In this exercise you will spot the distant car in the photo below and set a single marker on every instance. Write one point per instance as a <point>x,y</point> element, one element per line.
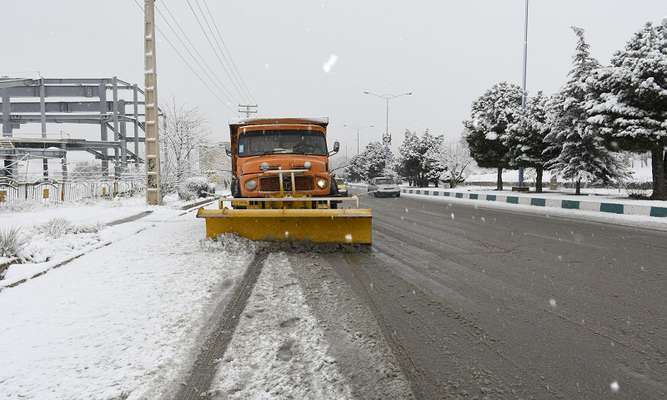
<point>342,187</point>
<point>383,186</point>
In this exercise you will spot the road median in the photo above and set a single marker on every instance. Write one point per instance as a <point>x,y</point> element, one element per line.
<point>551,201</point>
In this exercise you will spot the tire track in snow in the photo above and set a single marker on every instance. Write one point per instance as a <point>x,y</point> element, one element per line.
<point>203,371</point>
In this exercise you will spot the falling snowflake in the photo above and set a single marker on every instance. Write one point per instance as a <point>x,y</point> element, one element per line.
<point>329,64</point>
<point>614,387</point>
<point>452,216</point>
<point>348,237</point>
<point>267,66</point>
<point>286,234</point>
<point>483,219</point>
<point>406,210</point>
<point>552,303</point>
<point>560,258</point>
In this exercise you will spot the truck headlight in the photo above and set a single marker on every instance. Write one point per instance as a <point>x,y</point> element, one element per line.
<point>251,184</point>
<point>321,183</point>
<point>264,166</point>
<point>307,165</point>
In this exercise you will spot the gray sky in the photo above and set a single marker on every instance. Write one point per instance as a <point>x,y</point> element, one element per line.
<point>447,52</point>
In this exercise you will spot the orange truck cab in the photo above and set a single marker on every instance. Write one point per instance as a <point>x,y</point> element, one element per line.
<point>280,157</point>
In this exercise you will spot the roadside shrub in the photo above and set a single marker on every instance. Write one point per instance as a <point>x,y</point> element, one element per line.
<point>54,228</point>
<point>58,227</point>
<point>11,241</point>
<point>639,190</point>
<point>195,187</point>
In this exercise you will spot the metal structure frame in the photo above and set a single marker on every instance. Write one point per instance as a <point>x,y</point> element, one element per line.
<point>106,109</point>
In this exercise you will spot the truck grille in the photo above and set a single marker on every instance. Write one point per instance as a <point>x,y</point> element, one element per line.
<point>272,184</point>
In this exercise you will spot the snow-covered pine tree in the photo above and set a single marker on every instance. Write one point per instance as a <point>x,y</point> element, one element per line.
<point>371,163</point>
<point>582,155</point>
<point>408,157</point>
<point>628,100</point>
<point>432,165</point>
<point>525,138</point>
<point>420,158</point>
<point>355,169</point>
<point>486,129</point>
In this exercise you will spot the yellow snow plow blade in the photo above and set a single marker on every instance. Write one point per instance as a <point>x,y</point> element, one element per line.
<point>352,226</point>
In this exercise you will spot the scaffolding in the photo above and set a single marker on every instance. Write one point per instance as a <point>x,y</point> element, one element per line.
<point>113,105</point>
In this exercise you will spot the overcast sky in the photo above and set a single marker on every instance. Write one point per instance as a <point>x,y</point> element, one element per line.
<point>447,52</point>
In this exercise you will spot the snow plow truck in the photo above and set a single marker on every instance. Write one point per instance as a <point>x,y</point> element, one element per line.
<point>282,187</point>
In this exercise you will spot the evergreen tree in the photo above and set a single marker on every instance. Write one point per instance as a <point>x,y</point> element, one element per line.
<point>582,155</point>
<point>491,114</point>
<point>628,100</point>
<point>525,138</point>
<point>408,157</point>
<point>371,163</point>
<point>420,159</point>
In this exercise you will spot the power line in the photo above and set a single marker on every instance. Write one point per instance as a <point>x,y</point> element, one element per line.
<point>229,54</point>
<point>213,47</point>
<point>187,64</point>
<point>206,68</point>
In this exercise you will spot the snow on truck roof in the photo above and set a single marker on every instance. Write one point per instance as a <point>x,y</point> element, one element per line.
<point>322,121</point>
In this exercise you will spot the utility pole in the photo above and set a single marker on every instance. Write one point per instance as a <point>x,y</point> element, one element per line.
<point>153,196</point>
<point>358,128</point>
<point>525,73</point>
<point>247,109</point>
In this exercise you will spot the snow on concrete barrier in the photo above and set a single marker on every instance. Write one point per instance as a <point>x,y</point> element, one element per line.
<point>548,201</point>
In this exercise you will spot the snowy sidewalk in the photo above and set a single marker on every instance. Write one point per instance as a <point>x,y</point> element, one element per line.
<point>120,322</point>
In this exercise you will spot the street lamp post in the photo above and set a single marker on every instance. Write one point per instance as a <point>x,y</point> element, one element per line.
<point>386,138</point>
<point>525,73</point>
<point>358,128</point>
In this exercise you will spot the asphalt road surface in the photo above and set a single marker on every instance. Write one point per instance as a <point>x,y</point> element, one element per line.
<point>482,303</point>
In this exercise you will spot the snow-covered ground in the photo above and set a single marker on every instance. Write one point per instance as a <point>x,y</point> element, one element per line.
<point>54,233</point>
<point>121,321</point>
<point>92,212</point>
<point>639,174</point>
<point>279,351</point>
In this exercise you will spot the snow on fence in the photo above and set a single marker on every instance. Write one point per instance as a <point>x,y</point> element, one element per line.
<point>52,191</point>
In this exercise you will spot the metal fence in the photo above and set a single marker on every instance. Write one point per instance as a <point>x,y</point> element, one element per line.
<point>53,191</point>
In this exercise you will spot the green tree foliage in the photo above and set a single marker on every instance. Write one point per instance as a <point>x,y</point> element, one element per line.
<point>371,163</point>
<point>486,130</point>
<point>628,100</point>
<point>525,138</point>
<point>420,158</point>
<point>582,154</point>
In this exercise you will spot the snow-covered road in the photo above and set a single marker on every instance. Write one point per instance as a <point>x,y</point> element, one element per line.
<point>120,322</point>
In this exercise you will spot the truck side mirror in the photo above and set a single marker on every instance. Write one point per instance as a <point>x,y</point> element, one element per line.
<point>228,151</point>
<point>335,149</point>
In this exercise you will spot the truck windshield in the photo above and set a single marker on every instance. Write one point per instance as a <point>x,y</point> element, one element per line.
<point>282,142</point>
<point>384,181</point>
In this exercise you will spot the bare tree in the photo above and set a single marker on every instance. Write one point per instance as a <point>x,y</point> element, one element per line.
<point>457,160</point>
<point>182,135</point>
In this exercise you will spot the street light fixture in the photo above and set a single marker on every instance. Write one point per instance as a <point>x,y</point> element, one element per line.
<point>358,128</point>
<point>386,138</point>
